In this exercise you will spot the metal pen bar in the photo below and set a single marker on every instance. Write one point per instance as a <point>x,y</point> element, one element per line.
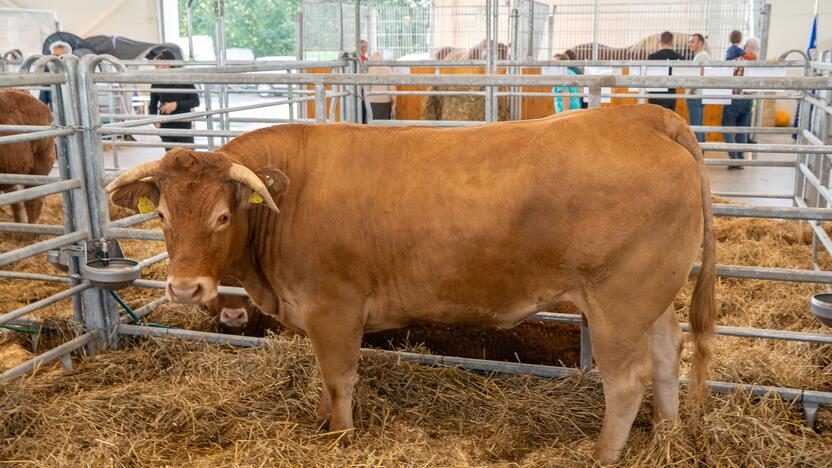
<point>153,260</point>
<point>49,356</point>
<point>222,290</point>
<point>169,132</point>
<point>140,144</point>
<point>25,128</point>
<point>25,179</point>
<point>30,79</point>
<point>206,337</point>
<point>813,180</point>
<point>589,63</point>
<point>192,115</point>
<point>128,233</point>
<point>31,228</point>
<point>132,220</point>
<point>39,191</point>
<point>762,333</point>
<point>715,82</point>
<point>785,196</point>
<point>773,212</point>
<point>818,230</point>
<point>44,302</point>
<point>35,135</point>
<point>748,162</point>
<point>34,276</point>
<point>767,148</point>
<point>144,310</point>
<point>40,247</point>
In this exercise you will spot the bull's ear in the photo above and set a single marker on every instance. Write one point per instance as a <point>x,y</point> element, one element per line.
<point>130,195</point>
<point>274,180</point>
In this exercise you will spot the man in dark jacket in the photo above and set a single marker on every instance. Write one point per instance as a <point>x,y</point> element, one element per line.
<point>665,52</point>
<point>173,103</point>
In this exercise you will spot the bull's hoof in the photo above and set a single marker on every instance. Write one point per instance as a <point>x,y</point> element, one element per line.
<point>343,437</point>
<point>606,456</point>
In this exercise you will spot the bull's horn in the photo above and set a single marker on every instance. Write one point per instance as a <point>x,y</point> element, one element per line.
<point>139,172</point>
<point>244,175</point>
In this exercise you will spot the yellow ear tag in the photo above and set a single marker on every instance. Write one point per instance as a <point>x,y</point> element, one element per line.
<point>146,206</point>
<point>255,198</point>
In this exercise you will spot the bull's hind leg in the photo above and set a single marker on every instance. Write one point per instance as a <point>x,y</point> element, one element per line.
<point>665,351</point>
<point>619,323</point>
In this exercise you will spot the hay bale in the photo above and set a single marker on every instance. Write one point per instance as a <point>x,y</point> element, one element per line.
<point>463,108</point>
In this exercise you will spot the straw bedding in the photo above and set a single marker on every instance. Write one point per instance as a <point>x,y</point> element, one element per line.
<point>160,402</point>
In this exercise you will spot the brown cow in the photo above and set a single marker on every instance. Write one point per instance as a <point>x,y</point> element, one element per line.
<point>638,51</point>
<point>486,225</point>
<point>36,157</point>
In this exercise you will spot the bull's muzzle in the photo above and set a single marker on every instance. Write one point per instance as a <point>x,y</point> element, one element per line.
<point>196,290</point>
<point>234,318</point>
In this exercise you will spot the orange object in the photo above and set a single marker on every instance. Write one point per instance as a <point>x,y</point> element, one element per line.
<point>781,119</point>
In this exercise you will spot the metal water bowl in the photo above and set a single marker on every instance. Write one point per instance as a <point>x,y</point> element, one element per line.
<point>821,306</point>
<point>111,274</point>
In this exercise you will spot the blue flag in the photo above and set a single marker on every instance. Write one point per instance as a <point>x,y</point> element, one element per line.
<point>813,37</point>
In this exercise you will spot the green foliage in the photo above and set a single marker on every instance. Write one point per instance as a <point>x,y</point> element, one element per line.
<point>267,27</point>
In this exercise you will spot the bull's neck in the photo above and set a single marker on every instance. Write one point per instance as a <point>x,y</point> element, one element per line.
<point>279,147</point>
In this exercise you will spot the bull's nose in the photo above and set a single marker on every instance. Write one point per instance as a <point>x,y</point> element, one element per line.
<point>235,318</point>
<point>189,290</point>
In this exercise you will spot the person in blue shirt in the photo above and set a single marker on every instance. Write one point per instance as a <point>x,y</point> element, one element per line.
<point>734,51</point>
<point>565,103</point>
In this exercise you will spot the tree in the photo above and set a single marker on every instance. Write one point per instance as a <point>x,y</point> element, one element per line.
<point>267,27</point>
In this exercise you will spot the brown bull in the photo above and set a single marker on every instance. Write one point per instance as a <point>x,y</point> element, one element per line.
<point>486,225</point>
<point>29,157</point>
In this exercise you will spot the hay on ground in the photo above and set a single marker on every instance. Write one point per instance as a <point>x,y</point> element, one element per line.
<point>171,403</point>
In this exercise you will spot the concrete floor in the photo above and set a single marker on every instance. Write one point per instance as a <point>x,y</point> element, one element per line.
<point>770,180</point>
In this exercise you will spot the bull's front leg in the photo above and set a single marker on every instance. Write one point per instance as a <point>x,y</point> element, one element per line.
<point>336,339</point>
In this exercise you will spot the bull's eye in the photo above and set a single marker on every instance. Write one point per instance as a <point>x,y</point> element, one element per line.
<point>223,219</point>
<point>161,216</point>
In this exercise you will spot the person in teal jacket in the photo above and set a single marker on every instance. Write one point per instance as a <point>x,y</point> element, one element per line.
<point>565,103</point>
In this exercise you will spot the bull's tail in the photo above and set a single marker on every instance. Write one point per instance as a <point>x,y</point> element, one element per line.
<point>702,306</point>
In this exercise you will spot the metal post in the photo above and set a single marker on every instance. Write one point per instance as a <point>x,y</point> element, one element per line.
<point>765,26</point>
<point>100,311</point>
<point>299,53</point>
<point>495,30</point>
<point>595,21</point>
<point>551,36</point>
<point>320,103</point>
<point>359,99</point>
<point>70,166</point>
<point>219,33</point>
<point>190,26</point>
<point>209,119</point>
<point>489,34</point>
<point>530,49</point>
<point>586,346</point>
<point>514,101</point>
